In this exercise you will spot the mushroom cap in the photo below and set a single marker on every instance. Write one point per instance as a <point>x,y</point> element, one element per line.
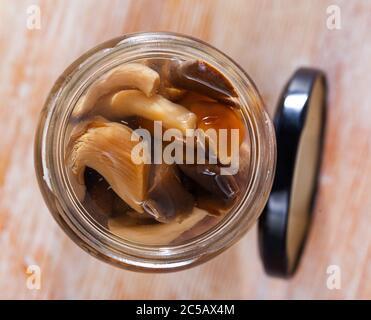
<point>107,148</point>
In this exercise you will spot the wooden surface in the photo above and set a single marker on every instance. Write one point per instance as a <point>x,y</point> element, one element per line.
<point>269,39</point>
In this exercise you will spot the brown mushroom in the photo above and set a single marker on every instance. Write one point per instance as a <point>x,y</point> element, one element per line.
<point>99,197</point>
<point>201,77</point>
<point>209,178</point>
<point>167,199</point>
<point>166,89</point>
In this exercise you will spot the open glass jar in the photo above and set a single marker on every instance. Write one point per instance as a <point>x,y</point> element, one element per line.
<point>164,249</point>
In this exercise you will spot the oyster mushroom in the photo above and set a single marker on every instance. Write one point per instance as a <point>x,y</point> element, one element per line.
<point>203,226</point>
<point>154,234</point>
<point>209,178</point>
<point>74,131</point>
<point>132,75</point>
<point>167,199</point>
<point>133,102</point>
<point>166,89</point>
<point>193,97</point>
<point>106,148</point>
<point>215,205</point>
<point>173,94</point>
<point>201,77</point>
<point>99,197</point>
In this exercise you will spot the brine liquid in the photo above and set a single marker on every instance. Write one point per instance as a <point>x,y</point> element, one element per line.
<point>180,201</point>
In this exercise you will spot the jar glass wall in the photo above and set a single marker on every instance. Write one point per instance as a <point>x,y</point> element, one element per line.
<point>73,214</point>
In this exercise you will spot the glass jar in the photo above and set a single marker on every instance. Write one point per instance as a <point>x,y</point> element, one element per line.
<point>63,203</point>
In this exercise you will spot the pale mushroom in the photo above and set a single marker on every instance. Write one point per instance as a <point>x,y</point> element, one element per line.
<point>74,131</point>
<point>132,75</point>
<point>134,103</point>
<point>106,148</point>
<point>154,234</point>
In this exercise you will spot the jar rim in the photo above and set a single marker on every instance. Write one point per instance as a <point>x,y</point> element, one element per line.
<point>107,247</point>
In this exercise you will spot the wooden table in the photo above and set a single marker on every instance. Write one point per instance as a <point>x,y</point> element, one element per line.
<point>269,39</point>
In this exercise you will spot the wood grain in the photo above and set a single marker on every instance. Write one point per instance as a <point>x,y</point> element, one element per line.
<point>269,39</point>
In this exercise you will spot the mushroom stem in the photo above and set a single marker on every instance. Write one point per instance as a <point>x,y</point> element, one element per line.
<point>133,102</point>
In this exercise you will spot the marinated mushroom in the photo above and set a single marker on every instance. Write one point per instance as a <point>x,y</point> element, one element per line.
<point>201,77</point>
<point>215,205</point>
<point>166,89</point>
<point>199,228</point>
<point>158,234</point>
<point>133,102</point>
<point>99,197</point>
<point>208,177</point>
<point>193,97</point>
<point>106,148</point>
<point>75,131</point>
<point>167,199</point>
<point>156,204</point>
<point>132,75</point>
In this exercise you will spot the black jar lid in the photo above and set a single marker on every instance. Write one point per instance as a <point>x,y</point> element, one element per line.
<point>299,124</point>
